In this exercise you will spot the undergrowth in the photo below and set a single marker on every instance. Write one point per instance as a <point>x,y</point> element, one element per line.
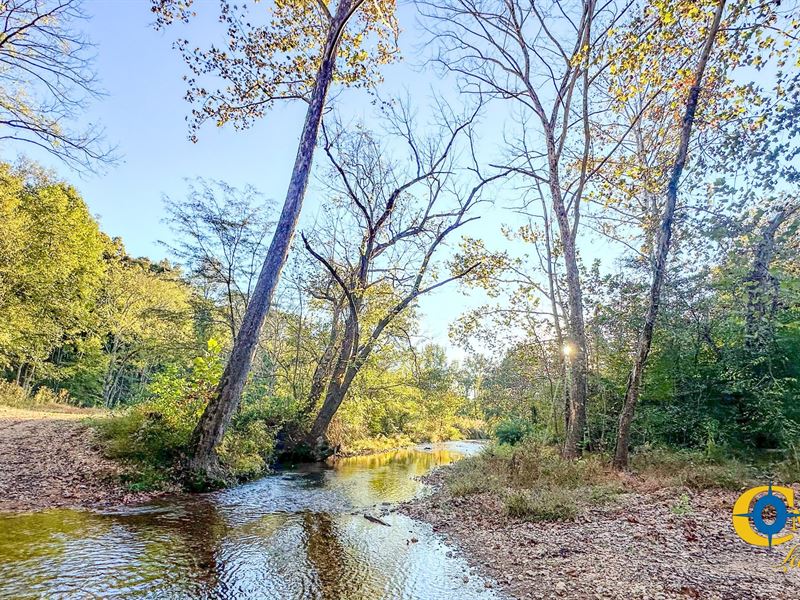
<point>152,437</point>
<point>533,482</point>
<point>17,396</point>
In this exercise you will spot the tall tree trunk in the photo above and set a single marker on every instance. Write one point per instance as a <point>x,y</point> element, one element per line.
<point>662,246</point>
<point>575,348</point>
<point>575,353</point>
<point>761,287</point>
<point>575,341</point>
<point>211,428</point>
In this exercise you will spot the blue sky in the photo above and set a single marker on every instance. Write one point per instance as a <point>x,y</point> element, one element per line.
<point>144,113</point>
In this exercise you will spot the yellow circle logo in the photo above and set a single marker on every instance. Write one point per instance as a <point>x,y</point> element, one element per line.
<point>748,515</point>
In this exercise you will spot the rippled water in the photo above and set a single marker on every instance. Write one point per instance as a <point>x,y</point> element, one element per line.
<point>299,534</point>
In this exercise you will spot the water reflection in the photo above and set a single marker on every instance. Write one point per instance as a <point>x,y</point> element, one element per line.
<point>294,535</point>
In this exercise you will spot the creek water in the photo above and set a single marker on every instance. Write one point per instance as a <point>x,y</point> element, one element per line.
<point>295,534</point>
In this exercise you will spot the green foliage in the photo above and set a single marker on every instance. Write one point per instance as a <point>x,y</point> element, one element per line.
<point>389,404</point>
<point>77,312</point>
<point>682,506</point>
<point>513,430</point>
<point>51,266</point>
<point>152,436</point>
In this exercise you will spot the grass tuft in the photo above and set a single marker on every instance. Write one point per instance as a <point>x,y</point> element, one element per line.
<point>547,504</point>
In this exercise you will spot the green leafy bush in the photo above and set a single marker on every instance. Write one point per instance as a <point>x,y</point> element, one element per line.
<point>15,395</point>
<point>513,430</point>
<point>153,435</point>
<point>12,394</point>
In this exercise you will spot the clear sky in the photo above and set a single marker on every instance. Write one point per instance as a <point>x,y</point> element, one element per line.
<point>144,114</point>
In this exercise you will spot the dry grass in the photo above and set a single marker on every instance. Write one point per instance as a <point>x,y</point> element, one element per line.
<point>48,411</point>
<point>535,483</point>
<point>544,504</point>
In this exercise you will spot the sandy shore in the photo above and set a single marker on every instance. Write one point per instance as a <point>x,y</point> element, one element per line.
<point>640,546</point>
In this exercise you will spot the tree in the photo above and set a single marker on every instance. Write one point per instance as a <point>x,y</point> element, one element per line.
<point>303,48</point>
<point>46,79</point>
<point>741,18</point>
<point>51,267</point>
<point>547,59</point>
<point>400,213</point>
<point>221,232</point>
<point>145,321</point>
<point>762,286</point>
<point>516,284</point>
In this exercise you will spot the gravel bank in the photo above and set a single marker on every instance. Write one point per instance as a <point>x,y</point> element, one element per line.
<point>636,547</point>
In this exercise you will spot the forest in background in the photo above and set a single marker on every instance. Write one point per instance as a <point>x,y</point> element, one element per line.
<point>686,336</point>
<point>86,323</point>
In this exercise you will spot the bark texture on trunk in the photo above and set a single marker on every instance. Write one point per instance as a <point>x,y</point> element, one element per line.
<point>662,247</point>
<point>762,287</point>
<point>202,463</point>
<point>575,345</point>
<point>344,371</point>
<point>575,352</point>
<point>323,370</point>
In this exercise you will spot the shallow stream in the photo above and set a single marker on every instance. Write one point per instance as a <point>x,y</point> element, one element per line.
<point>295,534</point>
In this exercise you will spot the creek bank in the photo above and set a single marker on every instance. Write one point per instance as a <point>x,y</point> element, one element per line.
<point>639,546</point>
<point>49,459</point>
<point>316,531</point>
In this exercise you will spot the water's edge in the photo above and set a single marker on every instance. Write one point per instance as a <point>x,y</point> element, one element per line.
<point>304,533</point>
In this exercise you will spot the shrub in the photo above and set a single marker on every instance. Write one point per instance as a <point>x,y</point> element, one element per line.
<point>153,436</point>
<point>12,394</point>
<point>513,430</point>
<point>45,396</point>
<point>250,440</point>
<point>15,395</point>
<point>693,469</point>
<point>604,493</point>
<point>471,483</point>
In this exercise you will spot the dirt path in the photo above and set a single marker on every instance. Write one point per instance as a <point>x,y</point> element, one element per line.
<point>635,548</point>
<point>49,459</point>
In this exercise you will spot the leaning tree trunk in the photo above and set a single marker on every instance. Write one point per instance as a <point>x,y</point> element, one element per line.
<point>663,240</point>
<point>322,372</point>
<point>339,383</point>
<point>337,390</point>
<point>211,428</point>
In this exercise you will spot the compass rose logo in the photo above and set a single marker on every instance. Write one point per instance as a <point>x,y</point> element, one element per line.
<point>750,523</point>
